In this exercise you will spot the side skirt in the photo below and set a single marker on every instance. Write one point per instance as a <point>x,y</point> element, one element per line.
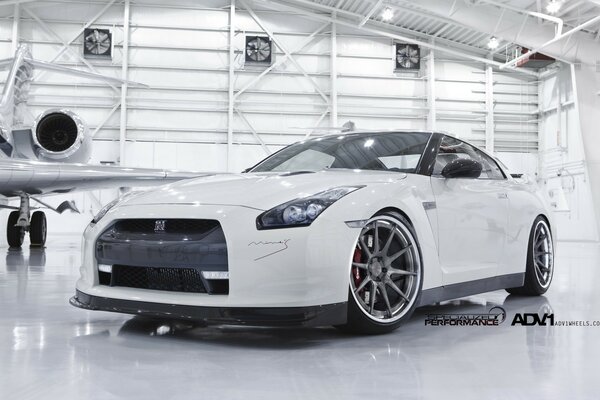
<point>456,290</point>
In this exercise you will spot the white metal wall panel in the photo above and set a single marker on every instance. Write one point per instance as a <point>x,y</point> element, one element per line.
<point>180,49</point>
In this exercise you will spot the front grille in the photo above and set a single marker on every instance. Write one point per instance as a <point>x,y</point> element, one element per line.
<point>206,251</point>
<point>180,226</point>
<point>158,278</point>
<point>172,259</point>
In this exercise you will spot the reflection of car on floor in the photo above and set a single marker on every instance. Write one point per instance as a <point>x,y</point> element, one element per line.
<point>353,230</point>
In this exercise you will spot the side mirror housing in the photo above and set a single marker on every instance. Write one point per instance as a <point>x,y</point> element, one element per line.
<point>462,168</point>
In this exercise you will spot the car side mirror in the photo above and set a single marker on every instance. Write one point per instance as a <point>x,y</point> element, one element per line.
<point>462,168</point>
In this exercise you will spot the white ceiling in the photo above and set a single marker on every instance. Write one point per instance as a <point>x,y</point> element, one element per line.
<point>423,20</point>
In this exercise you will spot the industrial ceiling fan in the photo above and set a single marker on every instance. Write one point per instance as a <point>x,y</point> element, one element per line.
<point>408,57</point>
<point>97,43</point>
<point>259,49</point>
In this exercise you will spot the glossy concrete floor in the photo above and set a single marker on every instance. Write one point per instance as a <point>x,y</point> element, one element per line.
<point>51,350</point>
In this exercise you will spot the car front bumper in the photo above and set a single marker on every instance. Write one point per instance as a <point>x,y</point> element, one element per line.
<point>297,275</point>
<point>330,314</point>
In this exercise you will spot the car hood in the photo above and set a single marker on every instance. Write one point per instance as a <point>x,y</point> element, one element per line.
<point>258,190</point>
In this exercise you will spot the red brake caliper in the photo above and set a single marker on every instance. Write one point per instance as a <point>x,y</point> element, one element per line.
<point>355,270</point>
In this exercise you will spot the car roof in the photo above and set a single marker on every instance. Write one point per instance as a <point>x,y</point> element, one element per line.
<point>383,132</point>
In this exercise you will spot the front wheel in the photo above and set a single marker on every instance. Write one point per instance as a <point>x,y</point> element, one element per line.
<point>386,275</point>
<point>37,229</point>
<point>540,261</point>
<point>14,234</point>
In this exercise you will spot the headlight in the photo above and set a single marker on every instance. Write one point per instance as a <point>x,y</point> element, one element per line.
<point>110,205</point>
<point>104,210</point>
<point>303,211</point>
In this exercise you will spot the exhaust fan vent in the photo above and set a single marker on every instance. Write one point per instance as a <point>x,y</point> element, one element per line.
<point>408,57</point>
<point>259,50</point>
<point>97,43</point>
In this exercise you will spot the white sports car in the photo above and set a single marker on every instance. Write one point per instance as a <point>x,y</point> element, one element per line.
<point>353,230</point>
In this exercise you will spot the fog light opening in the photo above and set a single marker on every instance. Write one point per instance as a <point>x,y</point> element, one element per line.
<point>105,268</point>
<point>215,275</point>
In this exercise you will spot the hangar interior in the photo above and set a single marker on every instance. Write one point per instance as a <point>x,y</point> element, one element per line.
<point>206,107</point>
<point>531,119</point>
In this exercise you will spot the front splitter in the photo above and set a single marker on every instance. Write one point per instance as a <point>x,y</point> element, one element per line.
<point>322,315</point>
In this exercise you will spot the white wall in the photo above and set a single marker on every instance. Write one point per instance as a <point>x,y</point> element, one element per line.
<point>562,161</point>
<point>180,49</point>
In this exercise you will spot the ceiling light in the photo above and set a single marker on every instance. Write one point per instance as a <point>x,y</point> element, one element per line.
<point>387,14</point>
<point>553,6</point>
<point>493,43</point>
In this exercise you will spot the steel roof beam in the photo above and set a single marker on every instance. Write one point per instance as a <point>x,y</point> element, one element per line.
<point>351,14</point>
<point>370,13</point>
<point>548,43</point>
<point>558,21</point>
<point>392,35</point>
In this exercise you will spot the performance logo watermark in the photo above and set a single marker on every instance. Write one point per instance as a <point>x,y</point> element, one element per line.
<point>497,315</point>
<point>494,317</point>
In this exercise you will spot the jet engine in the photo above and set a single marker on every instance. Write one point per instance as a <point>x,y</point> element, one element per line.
<point>61,135</point>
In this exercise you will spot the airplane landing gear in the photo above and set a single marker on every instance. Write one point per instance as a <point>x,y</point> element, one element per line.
<point>19,223</point>
<point>37,229</point>
<point>14,233</point>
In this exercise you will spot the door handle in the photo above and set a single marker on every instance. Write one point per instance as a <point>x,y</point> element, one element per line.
<point>502,196</point>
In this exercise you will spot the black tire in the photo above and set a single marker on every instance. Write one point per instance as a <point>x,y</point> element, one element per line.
<point>14,234</point>
<point>357,320</point>
<point>38,229</point>
<point>535,284</point>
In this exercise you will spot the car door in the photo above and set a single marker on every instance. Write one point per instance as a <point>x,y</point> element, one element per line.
<point>472,215</point>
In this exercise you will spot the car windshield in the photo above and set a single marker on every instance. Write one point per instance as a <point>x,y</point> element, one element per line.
<point>394,151</point>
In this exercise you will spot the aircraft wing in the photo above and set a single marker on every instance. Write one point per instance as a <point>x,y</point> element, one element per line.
<point>85,74</point>
<point>39,178</point>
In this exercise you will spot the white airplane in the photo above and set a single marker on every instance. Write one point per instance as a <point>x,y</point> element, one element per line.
<point>50,156</point>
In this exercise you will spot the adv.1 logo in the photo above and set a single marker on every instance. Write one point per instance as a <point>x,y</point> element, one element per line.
<point>531,319</point>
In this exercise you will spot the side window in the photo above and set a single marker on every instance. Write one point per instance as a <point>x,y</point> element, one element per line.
<point>490,167</point>
<point>452,149</point>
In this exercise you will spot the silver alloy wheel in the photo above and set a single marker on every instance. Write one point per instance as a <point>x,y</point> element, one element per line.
<point>543,254</point>
<point>386,279</point>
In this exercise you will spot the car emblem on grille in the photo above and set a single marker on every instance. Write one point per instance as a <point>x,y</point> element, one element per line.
<point>159,225</point>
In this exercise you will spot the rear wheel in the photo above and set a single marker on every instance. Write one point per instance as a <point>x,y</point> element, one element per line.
<point>14,234</point>
<point>38,229</point>
<point>540,261</point>
<point>386,276</point>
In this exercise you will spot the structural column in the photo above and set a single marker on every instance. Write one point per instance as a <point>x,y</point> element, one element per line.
<point>432,114</point>
<point>586,85</point>
<point>541,159</point>
<point>489,109</point>
<point>231,101</point>
<point>124,73</point>
<point>333,95</point>
<point>15,28</point>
